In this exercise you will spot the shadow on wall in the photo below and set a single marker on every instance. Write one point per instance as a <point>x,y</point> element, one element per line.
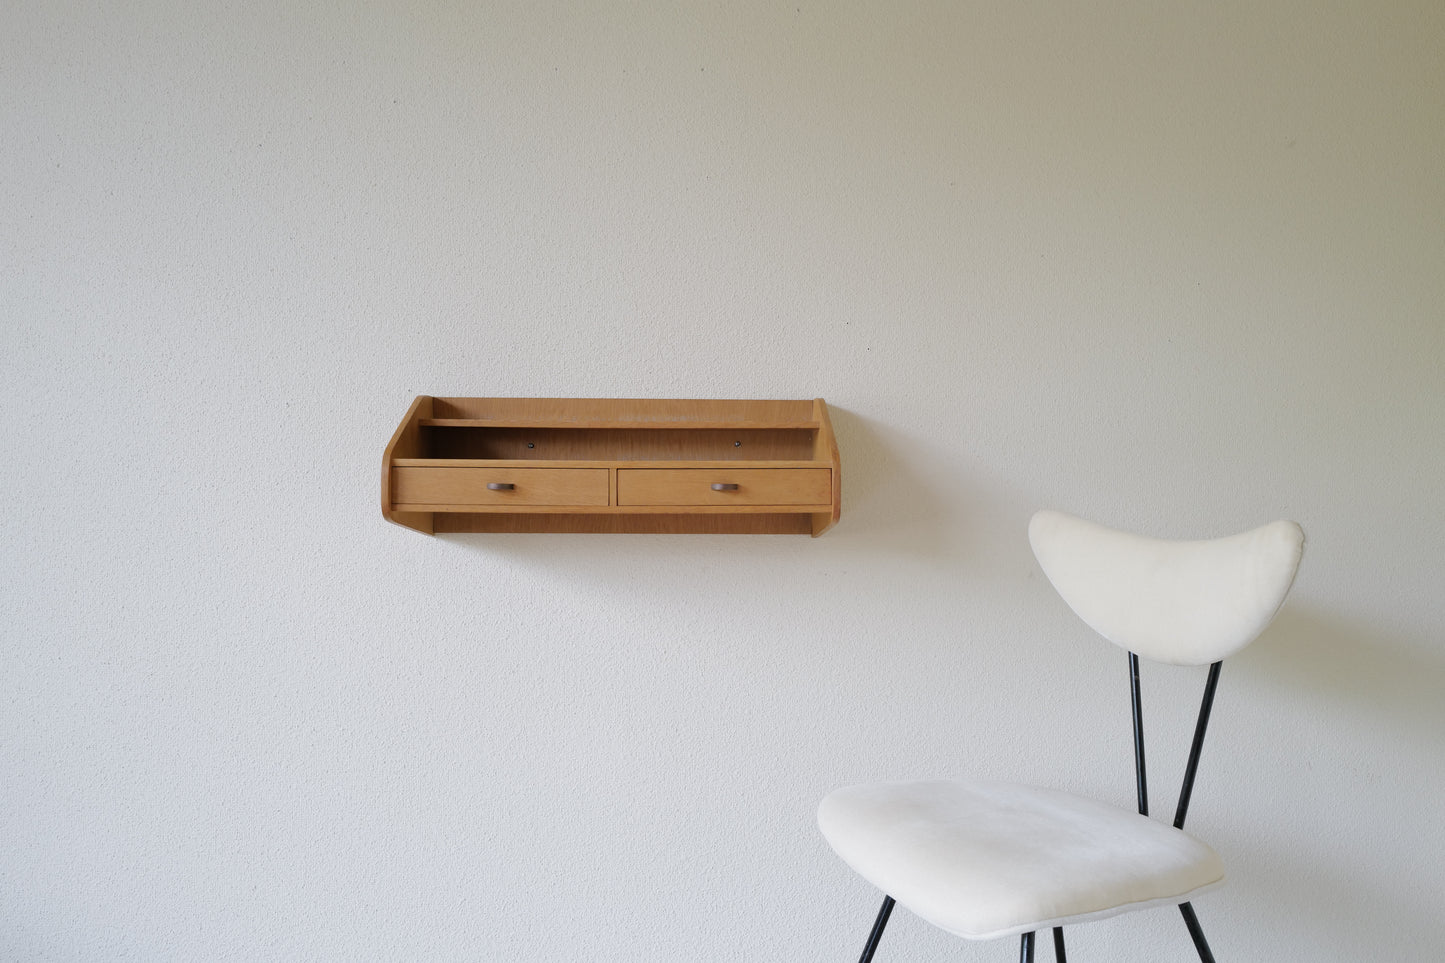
<point>918,497</point>
<point>885,500</point>
<point>1348,908</point>
<point>887,504</point>
<point>1395,684</point>
<point>1388,692</point>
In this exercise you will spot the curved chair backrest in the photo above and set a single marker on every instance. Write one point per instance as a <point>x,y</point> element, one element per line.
<point>1183,603</point>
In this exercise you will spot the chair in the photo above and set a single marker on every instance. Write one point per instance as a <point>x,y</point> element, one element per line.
<point>987,860</point>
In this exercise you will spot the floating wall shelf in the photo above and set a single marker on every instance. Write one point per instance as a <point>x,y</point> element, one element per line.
<point>612,465</point>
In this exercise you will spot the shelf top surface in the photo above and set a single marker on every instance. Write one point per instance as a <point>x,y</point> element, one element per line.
<point>544,463</point>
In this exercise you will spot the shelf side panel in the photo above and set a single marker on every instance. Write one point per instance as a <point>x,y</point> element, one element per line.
<point>825,448</point>
<point>406,442</point>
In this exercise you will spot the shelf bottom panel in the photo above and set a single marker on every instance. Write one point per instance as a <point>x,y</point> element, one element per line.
<point>609,509</point>
<point>615,524</point>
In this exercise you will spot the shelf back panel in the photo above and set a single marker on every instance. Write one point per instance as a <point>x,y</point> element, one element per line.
<point>644,411</point>
<point>618,444</point>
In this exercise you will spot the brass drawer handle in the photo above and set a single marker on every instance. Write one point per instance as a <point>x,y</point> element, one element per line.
<point>724,487</point>
<point>500,486</point>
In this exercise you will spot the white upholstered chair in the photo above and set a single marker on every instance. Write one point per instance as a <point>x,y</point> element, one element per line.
<point>985,860</point>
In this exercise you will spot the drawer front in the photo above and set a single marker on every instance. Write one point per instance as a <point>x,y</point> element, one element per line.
<point>468,486</point>
<point>753,486</point>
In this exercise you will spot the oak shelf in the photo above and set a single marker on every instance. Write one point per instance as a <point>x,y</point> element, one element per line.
<point>613,465</point>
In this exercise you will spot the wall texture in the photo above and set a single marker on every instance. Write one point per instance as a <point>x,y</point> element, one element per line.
<point>1177,267</point>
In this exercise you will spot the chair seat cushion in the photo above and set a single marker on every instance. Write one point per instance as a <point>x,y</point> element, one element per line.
<point>985,859</point>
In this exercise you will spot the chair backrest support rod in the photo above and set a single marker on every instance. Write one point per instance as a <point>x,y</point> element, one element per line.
<point>1197,746</point>
<point>1140,777</point>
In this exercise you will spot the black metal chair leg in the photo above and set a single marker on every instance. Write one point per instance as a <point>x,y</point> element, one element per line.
<point>1026,949</point>
<point>1196,933</point>
<point>877,933</point>
<point>1059,944</point>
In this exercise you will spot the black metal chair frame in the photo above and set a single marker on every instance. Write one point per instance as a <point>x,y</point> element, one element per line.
<point>1191,921</point>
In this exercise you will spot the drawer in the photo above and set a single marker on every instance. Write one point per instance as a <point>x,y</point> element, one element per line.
<point>468,486</point>
<point>754,486</point>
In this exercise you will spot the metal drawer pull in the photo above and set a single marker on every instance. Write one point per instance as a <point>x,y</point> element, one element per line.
<point>723,487</point>
<point>500,486</point>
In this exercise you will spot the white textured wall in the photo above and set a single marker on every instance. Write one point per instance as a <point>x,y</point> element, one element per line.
<point>1179,267</point>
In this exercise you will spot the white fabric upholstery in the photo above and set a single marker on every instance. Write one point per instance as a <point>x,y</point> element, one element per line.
<point>1184,603</point>
<point>984,860</point>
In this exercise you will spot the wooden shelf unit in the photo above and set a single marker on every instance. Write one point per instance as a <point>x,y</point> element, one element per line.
<point>612,465</point>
